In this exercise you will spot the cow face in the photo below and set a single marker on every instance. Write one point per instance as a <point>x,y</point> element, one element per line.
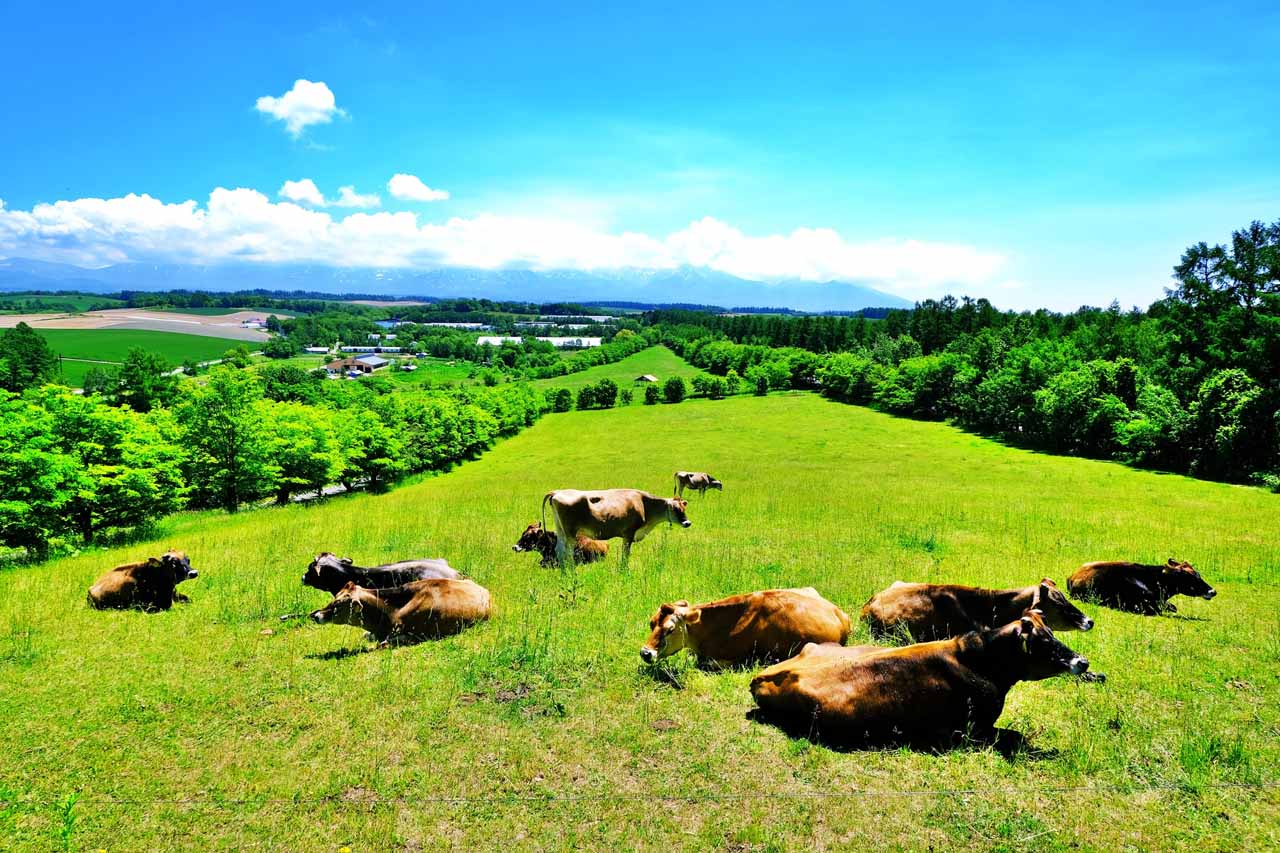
<point>535,538</point>
<point>1059,613</point>
<point>669,631</point>
<point>1178,577</point>
<point>347,607</point>
<point>1044,655</point>
<point>716,484</point>
<point>325,570</point>
<point>176,565</point>
<point>676,512</point>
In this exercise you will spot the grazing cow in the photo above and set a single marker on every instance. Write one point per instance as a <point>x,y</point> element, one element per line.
<point>927,611</point>
<point>698,481</point>
<point>330,573</point>
<point>628,514</point>
<point>419,610</point>
<point>1138,588</point>
<point>535,538</point>
<point>926,693</point>
<point>150,585</point>
<point>767,625</point>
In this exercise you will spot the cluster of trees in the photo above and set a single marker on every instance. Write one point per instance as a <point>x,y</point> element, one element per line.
<point>74,465</point>
<point>1191,385</point>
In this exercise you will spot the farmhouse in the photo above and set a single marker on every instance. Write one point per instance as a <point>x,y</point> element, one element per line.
<point>368,349</point>
<point>496,340</point>
<point>361,365</point>
<point>573,343</point>
<point>382,337</point>
<point>317,350</point>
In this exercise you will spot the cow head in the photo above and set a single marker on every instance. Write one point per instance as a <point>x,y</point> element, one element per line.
<point>676,512</point>
<point>327,572</point>
<point>1041,654</point>
<point>1178,577</point>
<point>670,630</point>
<point>1059,613</point>
<point>715,484</point>
<point>347,607</point>
<point>176,565</point>
<point>535,538</point>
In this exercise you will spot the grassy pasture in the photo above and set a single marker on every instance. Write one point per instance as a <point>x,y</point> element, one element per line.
<point>23,303</point>
<point>80,348</point>
<point>658,360</point>
<point>214,726</point>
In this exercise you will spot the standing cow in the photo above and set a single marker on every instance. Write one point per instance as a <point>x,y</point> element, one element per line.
<point>626,514</point>
<point>698,481</point>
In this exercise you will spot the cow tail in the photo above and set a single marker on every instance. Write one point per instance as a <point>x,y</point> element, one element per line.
<point>545,498</point>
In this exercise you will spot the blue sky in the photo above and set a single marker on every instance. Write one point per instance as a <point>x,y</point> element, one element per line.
<point>1034,156</point>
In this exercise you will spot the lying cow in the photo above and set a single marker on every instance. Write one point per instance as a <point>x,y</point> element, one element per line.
<point>697,481</point>
<point>419,610</point>
<point>767,625</point>
<point>626,514</point>
<point>925,693</point>
<point>150,585</point>
<point>928,611</point>
<point>535,538</point>
<point>1136,587</point>
<point>330,573</point>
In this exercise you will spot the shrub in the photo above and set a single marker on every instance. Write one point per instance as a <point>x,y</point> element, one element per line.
<point>674,390</point>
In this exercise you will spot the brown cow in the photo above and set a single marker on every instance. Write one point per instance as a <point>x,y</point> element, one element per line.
<point>626,514</point>
<point>149,585</point>
<point>419,610</point>
<point>766,625</point>
<point>698,481</point>
<point>928,611</point>
<point>535,538</point>
<point>928,692</point>
<point>1138,588</point>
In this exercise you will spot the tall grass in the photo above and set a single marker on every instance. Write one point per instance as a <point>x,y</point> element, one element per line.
<point>215,725</point>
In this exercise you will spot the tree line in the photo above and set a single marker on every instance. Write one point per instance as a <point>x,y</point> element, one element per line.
<point>1190,385</point>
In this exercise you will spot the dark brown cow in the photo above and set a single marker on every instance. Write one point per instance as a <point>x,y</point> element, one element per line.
<point>329,572</point>
<point>535,538</point>
<point>929,611</point>
<point>626,514</point>
<point>698,481</point>
<point>766,625</point>
<point>419,610</point>
<point>925,693</point>
<point>150,585</point>
<point>1136,587</point>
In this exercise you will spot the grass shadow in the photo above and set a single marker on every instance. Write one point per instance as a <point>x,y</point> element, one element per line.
<point>341,654</point>
<point>1010,744</point>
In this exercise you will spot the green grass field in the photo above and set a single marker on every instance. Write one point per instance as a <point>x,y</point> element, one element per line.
<point>658,360</point>
<point>214,726</point>
<point>112,345</point>
<point>22,303</point>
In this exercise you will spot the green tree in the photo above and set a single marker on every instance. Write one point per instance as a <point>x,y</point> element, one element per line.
<point>304,445</point>
<point>37,480</point>
<point>26,361</point>
<point>100,381</point>
<point>374,452</point>
<point>652,394</point>
<point>674,389</point>
<point>226,434</point>
<point>237,356</point>
<point>279,347</point>
<point>145,381</point>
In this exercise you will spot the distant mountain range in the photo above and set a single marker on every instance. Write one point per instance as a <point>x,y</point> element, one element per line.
<point>681,285</point>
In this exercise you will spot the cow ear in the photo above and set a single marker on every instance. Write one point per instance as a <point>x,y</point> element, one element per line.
<point>1173,562</point>
<point>1047,582</point>
<point>692,617</point>
<point>681,603</point>
<point>346,561</point>
<point>350,586</point>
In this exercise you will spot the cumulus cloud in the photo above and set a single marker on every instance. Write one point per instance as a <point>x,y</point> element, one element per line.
<point>411,188</point>
<point>304,191</point>
<point>305,104</point>
<point>245,225</point>
<point>348,197</point>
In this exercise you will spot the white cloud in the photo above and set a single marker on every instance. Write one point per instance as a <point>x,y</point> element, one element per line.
<point>411,188</point>
<point>305,104</point>
<point>304,191</point>
<point>348,197</point>
<point>245,225</point>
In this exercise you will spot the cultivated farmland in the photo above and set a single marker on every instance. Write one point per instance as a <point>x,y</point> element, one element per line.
<point>215,726</point>
<point>81,349</point>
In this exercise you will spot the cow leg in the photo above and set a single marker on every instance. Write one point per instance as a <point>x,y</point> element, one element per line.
<point>626,550</point>
<point>564,546</point>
